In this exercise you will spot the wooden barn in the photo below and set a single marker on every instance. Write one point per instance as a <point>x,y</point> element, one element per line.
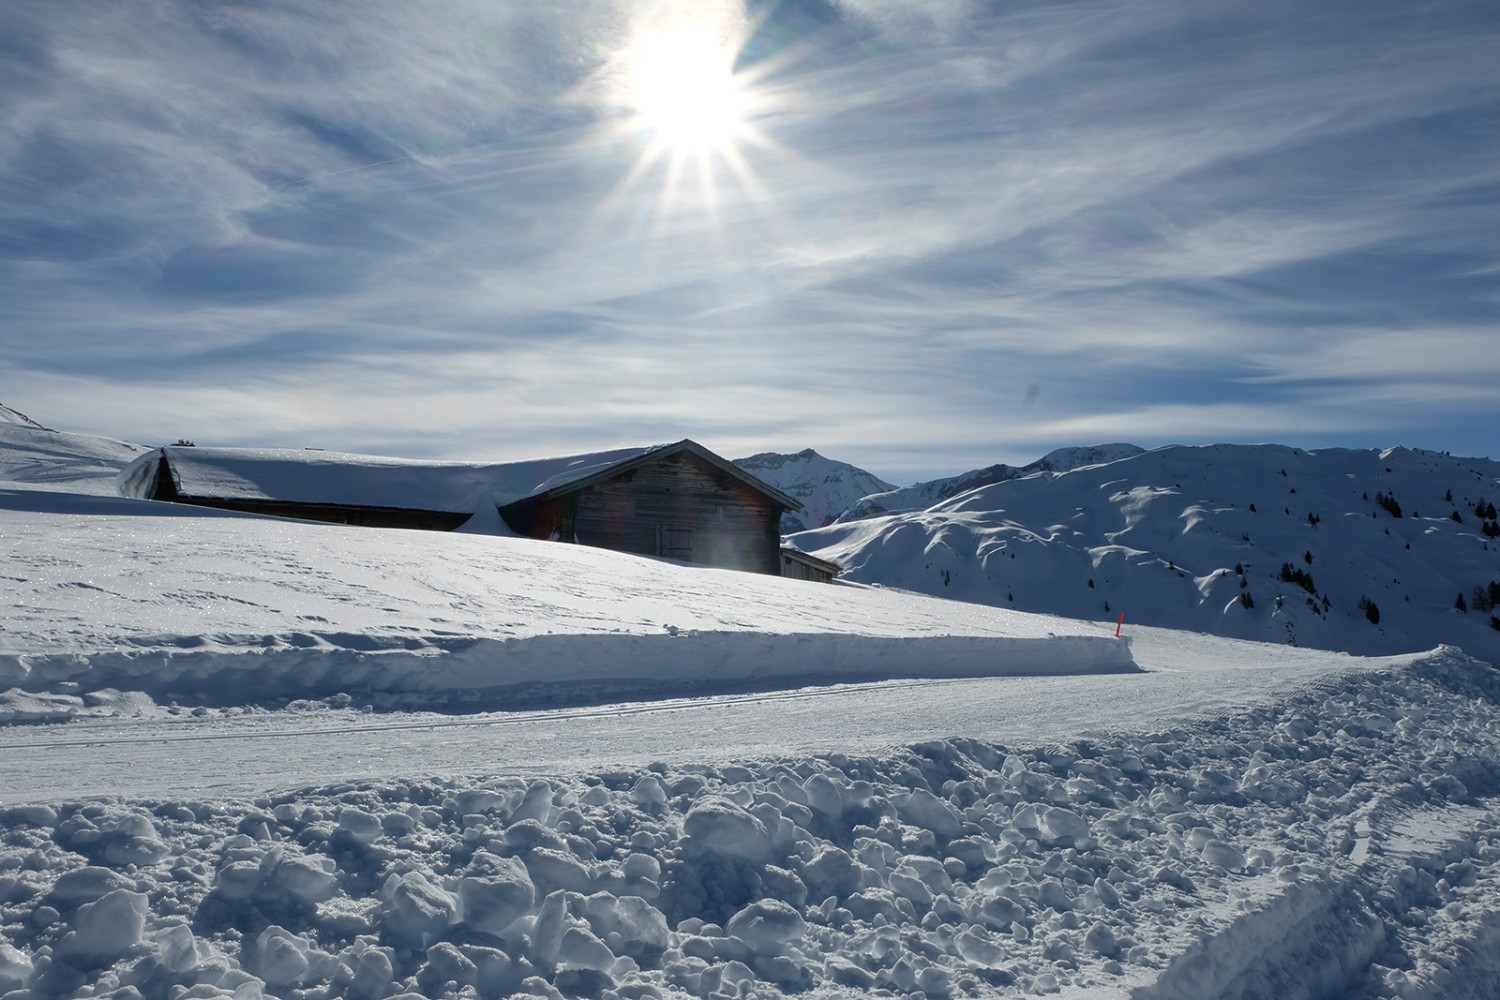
<point>798,565</point>
<point>179,479</point>
<point>679,501</point>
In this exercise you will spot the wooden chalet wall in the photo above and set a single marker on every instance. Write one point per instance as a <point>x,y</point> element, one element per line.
<point>678,506</point>
<point>797,565</point>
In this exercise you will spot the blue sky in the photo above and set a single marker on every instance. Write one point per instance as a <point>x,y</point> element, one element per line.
<point>937,234</point>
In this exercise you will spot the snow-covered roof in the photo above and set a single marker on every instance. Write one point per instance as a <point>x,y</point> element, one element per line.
<point>330,477</point>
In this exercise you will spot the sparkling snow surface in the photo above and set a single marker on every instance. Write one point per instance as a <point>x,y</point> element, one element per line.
<point>305,761</point>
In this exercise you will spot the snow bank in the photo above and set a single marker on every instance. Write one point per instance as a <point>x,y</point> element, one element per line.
<point>1341,843</point>
<point>173,602</point>
<point>532,672</point>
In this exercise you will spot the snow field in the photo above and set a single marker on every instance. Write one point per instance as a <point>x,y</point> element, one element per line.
<point>34,458</point>
<point>124,604</point>
<point>1310,848</point>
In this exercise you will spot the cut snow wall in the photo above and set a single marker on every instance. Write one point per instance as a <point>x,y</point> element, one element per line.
<point>549,669</point>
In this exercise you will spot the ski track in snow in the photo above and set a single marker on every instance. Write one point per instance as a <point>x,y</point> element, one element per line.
<point>1339,840</point>
<point>1187,677</point>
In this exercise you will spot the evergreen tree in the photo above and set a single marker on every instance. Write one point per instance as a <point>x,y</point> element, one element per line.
<point>1300,577</point>
<point>1480,601</point>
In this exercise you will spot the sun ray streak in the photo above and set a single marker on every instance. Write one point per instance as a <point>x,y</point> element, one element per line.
<point>694,128</point>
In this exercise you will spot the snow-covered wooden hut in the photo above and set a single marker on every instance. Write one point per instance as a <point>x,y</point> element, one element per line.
<point>799,565</point>
<point>680,500</point>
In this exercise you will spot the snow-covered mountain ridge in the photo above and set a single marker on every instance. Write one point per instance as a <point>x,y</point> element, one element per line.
<point>923,495</point>
<point>825,487</point>
<point>837,491</point>
<point>1253,541</point>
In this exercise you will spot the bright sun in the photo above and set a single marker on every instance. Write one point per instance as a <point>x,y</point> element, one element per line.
<point>693,118</point>
<point>681,86</point>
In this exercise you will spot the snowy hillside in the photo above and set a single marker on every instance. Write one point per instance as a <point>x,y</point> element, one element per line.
<point>824,486</point>
<point>924,495</point>
<point>181,603</point>
<point>222,776</point>
<point>1259,542</point>
<point>33,456</point>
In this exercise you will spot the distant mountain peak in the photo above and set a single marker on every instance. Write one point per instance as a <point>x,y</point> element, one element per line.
<point>924,495</point>
<point>825,486</point>
<point>1068,459</point>
<point>776,459</point>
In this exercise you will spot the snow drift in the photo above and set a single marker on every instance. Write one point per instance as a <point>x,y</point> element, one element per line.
<point>437,673</point>
<point>180,603</point>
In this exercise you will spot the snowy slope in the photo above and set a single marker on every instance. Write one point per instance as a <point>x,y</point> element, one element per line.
<point>34,457</point>
<point>825,487</point>
<point>177,602</point>
<point>1268,822</point>
<point>924,495</point>
<point>1159,537</point>
<point>1197,538</point>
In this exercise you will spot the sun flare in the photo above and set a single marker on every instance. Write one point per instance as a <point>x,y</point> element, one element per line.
<point>683,104</point>
<point>682,89</point>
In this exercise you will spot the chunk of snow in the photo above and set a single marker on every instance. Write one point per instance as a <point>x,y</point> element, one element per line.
<point>106,928</point>
<point>495,892</point>
<point>722,827</point>
<point>767,926</point>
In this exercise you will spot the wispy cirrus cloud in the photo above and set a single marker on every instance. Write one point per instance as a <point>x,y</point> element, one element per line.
<point>961,234</point>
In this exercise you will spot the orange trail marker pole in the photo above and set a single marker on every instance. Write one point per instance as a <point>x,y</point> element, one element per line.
<point>1119,624</point>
